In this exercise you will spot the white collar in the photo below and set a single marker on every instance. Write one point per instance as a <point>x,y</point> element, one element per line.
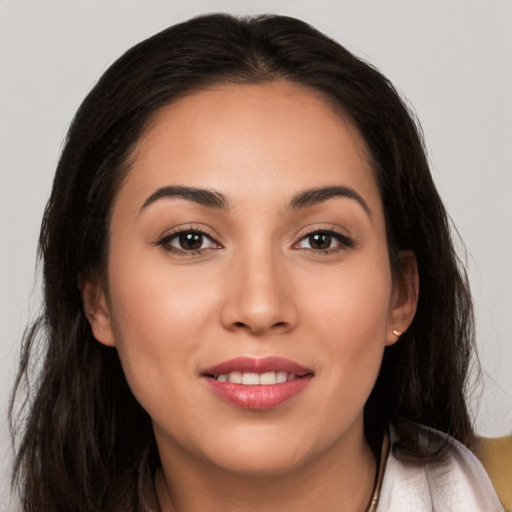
<point>457,484</point>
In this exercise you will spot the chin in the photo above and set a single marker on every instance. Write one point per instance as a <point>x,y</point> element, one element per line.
<point>260,454</point>
<point>255,463</point>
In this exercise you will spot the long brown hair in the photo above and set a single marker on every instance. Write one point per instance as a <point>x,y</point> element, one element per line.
<point>84,443</point>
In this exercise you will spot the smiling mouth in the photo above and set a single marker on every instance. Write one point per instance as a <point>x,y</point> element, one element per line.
<point>257,384</point>
<point>256,379</point>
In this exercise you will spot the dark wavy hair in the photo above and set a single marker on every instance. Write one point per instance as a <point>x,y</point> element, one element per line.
<point>83,441</point>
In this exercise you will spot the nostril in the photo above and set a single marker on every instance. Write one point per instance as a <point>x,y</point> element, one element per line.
<point>257,328</point>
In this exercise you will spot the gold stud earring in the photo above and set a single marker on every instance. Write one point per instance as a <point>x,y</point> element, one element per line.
<point>397,333</point>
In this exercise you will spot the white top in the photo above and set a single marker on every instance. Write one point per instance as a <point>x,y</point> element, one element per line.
<point>458,484</point>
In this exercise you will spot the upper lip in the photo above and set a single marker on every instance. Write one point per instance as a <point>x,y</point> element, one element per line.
<point>258,365</point>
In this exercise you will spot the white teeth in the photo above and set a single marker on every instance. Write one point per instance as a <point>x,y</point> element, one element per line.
<point>281,377</point>
<point>250,378</point>
<point>235,377</point>
<point>268,378</point>
<point>254,379</point>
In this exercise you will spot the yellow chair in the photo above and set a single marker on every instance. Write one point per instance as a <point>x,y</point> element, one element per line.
<point>495,454</point>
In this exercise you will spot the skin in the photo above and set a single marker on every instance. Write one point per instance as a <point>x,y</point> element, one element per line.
<point>258,286</point>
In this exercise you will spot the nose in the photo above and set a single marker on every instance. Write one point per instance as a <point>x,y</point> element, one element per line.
<point>259,297</point>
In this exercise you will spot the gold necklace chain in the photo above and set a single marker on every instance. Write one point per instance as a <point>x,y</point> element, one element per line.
<point>384,453</point>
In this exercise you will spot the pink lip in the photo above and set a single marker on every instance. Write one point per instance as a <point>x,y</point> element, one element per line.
<point>252,365</point>
<point>258,397</point>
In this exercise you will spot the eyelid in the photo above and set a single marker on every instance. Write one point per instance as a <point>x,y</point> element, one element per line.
<point>165,239</point>
<point>346,241</point>
<point>189,226</point>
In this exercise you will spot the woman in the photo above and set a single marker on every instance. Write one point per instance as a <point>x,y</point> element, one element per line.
<point>245,297</point>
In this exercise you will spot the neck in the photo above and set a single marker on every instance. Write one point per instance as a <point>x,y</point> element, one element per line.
<point>341,478</point>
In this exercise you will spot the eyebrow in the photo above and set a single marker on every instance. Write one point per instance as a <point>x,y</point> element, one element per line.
<point>201,196</point>
<point>319,195</point>
<point>213,199</point>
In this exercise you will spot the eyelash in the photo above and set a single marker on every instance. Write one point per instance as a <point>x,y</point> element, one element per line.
<point>165,242</point>
<point>344,242</point>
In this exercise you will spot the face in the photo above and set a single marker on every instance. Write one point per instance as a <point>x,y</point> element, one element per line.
<point>250,295</point>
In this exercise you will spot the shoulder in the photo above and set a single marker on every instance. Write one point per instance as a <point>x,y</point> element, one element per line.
<point>459,483</point>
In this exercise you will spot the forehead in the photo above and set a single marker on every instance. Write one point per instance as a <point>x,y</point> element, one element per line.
<point>233,137</point>
<point>252,107</point>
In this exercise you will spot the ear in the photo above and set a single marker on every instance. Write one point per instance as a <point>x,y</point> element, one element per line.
<point>404,299</point>
<point>96,309</point>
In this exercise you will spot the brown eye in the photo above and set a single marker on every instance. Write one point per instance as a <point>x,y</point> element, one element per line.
<point>320,241</point>
<point>327,241</point>
<point>190,241</point>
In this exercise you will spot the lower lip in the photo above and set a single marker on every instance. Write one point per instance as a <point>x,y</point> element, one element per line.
<point>258,397</point>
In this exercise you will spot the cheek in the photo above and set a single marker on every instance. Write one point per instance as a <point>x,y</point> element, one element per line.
<point>151,300</point>
<point>349,313</point>
<point>157,322</point>
<point>353,301</point>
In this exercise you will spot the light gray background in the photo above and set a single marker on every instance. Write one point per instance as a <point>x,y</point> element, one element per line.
<point>451,59</point>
